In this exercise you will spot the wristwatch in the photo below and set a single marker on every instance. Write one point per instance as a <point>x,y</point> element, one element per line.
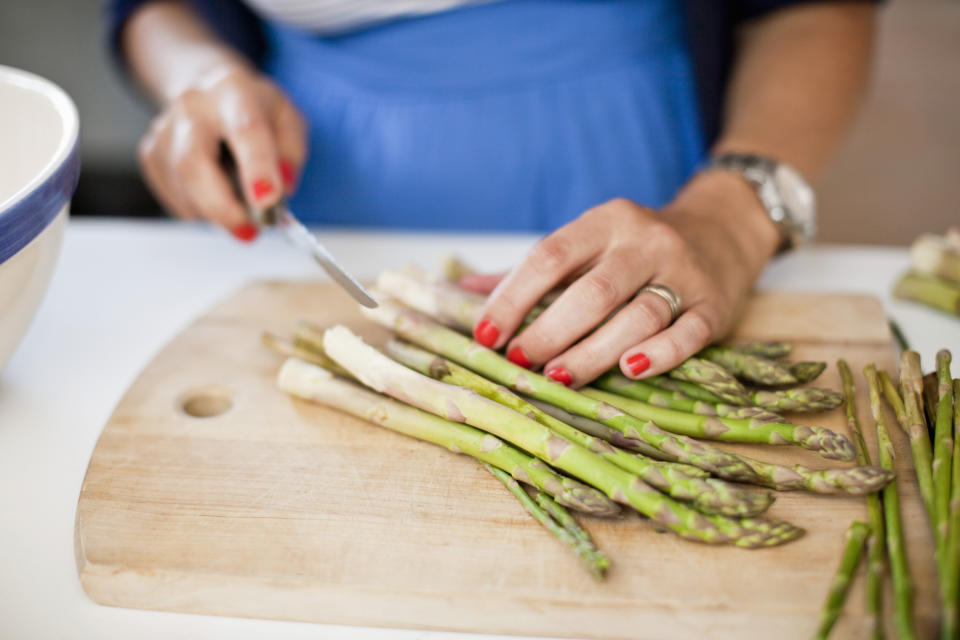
<point>787,197</point>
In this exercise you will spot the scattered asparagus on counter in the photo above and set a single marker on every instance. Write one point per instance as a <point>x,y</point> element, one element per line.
<point>876,550</point>
<point>898,335</point>
<point>316,384</point>
<point>856,536</point>
<point>708,496</point>
<point>750,367</point>
<point>823,441</point>
<point>805,400</point>
<point>933,292</point>
<point>807,371</point>
<point>896,552</point>
<point>931,398</point>
<point>568,532</point>
<point>417,328</point>
<point>950,580</point>
<point>916,428</point>
<point>768,349</point>
<point>942,452</point>
<point>463,405</point>
<point>712,377</point>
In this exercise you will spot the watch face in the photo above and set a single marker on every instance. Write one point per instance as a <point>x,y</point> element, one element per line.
<point>798,198</point>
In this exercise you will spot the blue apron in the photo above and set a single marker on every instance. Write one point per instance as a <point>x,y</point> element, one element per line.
<point>514,115</point>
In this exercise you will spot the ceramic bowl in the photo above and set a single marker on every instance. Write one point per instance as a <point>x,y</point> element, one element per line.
<point>39,167</point>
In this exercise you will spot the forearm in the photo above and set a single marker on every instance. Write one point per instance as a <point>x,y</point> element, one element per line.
<point>168,48</point>
<point>797,82</point>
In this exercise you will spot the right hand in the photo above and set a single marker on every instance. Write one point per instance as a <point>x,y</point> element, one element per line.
<point>180,152</point>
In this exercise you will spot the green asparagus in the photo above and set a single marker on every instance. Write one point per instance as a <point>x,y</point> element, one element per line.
<point>942,452</point>
<point>807,371</point>
<point>581,544</point>
<point>911,389</point>
<point>823,441</point>
<point>434,337</point>
<point>750,367</point>
<point>803,400</point>
<point>708,496</point>
<point>767,349</point>
<point>897,556</point>
<point>933,292</point>
<point>950,578</point>
<point>464,405</point>
<point>856,536</point>
<point>713,378</point>
<point>876,550</point>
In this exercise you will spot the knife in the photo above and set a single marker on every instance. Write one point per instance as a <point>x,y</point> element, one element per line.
<point>280,217</point>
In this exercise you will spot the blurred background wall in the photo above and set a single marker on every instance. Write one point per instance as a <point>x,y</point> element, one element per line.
<point>897,174</point>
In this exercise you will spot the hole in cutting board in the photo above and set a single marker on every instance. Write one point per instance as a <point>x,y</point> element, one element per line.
<point>207,402</point>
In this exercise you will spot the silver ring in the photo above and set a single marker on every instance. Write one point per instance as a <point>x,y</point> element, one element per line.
<point>669,296</point>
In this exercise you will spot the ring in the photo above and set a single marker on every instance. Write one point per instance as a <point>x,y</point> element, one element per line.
<point>669,296</point>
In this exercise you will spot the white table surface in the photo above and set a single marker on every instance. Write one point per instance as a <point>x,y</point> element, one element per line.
<point>123,289</point>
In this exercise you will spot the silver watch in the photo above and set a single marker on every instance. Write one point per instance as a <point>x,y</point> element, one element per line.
<point>788,199</point>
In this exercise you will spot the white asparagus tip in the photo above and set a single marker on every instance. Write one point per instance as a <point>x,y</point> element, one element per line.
<point>298,378</point>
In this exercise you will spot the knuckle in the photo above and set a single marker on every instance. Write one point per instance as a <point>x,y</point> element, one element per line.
<point>601,291</point>
<point>665,237</point>
<point>700,327</point>
<point>551,254</point>
<point>248,121</point>
<point>647,319</point>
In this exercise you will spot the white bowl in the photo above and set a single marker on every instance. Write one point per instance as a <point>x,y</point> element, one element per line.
<point>39,167</point>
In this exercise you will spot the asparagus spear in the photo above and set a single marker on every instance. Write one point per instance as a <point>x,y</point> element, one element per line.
<point>464,405</point>
<point>595,560</point>
<point>876,549</point>
<point>748,366</point>
<point>713,378</point>
<point>311,355</point>
<point>767,349</point>
<point>434,337</point>
<point>806,371</point>
<point>799,400</point>
<point>823,441</point>
<point>313,383</point>
<point>688,389</point>
<point>942,452</point>
<point>899,568</point>
<point>950,578</point>
<point>708,496</point>
<point>856,535</point>
<point>916,429</point>
<point>933,292</point>
<point>566,520</point>
<point>932,255</point>
<point>645,392</point>
<point>931,398</point>
<point>443,301</point>
<point>454,269</point>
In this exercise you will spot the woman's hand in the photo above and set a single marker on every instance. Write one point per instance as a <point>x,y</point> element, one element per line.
<point>709,246</point>
<point>180,152</point>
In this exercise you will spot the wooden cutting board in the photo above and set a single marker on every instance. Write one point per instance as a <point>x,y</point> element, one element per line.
<point>260,505</point>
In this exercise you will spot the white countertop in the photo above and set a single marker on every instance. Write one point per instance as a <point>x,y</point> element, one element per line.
<point>123,289</point>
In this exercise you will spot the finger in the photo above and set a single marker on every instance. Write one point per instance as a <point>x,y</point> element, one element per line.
<point>291,136</point>
<point>643,317</point>
<point>152,154</point>
<point>693,330</point>
<point>251,140</point>
<point>547,264</point>
<point>481,282</point>
<point>211,194</point>
<point>578,310</point>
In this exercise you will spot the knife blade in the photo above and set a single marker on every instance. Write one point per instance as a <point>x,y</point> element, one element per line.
<point>283,219</point>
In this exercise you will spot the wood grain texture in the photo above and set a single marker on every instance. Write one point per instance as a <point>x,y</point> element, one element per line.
<point>278,508</point>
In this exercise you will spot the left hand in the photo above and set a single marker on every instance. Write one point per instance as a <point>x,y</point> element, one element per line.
<point>708,245</point>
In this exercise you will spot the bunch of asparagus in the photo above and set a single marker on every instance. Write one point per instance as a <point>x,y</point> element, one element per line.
<point>934,275</point>
<point>618,444</point>
<point>938,477</point>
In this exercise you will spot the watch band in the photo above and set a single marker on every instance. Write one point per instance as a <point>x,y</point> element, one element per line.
<point>766,176</point>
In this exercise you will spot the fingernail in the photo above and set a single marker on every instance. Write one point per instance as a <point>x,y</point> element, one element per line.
<point>287,173</point>
<point>638,363</point>
<point>561,375</point>
<point>261,188</point>
<point>517,356</point>
<point>246,232</point>
<point>486,333</point>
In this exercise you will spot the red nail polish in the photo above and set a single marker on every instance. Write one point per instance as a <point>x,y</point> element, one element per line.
<point>638,363</point>
<point>486,333</point>
<point>246,232</point>
<point>262,188</point>
<point>517,356</point>
<point>561,375</point>
<point>287,173</point>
